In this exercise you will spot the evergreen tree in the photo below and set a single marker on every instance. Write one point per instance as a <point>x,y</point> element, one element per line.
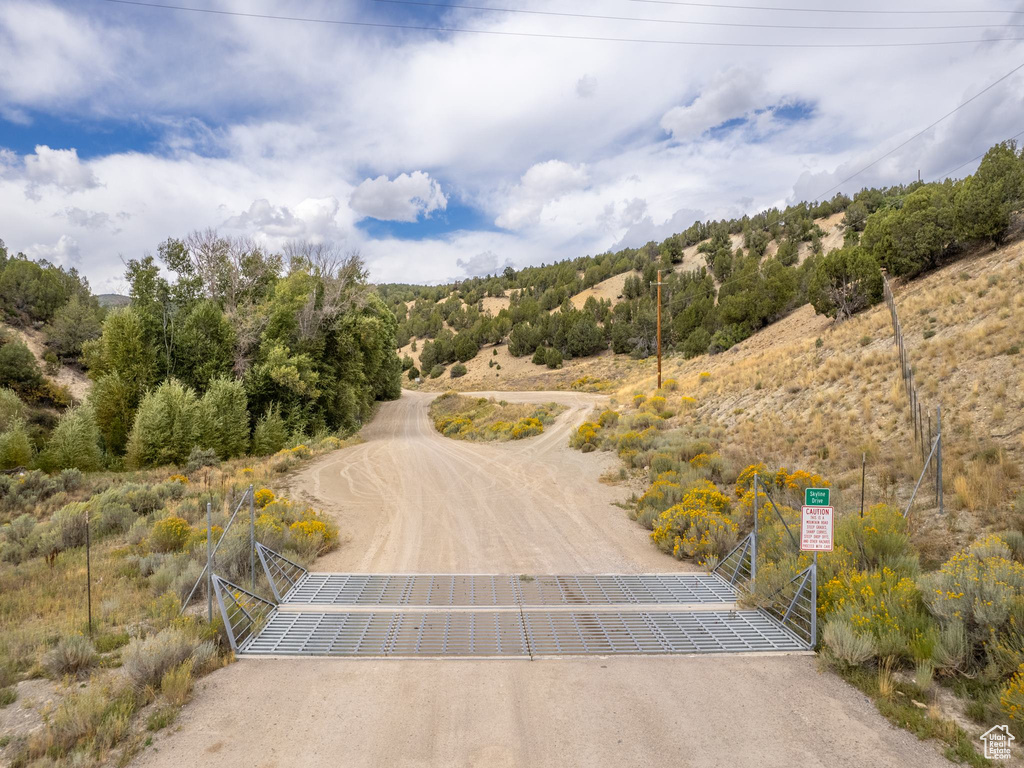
<point>74,442</point>
<point>166,427</point>
<point>224,418</point>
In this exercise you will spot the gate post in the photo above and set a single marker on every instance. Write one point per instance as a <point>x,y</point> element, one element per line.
<point>252,537</point>
<point>814,602</point>
<point>753,541</point>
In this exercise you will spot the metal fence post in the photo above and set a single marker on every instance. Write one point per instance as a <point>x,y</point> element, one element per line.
<point>252,537</point>
<point>753,543</point>
<point>938,465</point>
<point>814,602</point>
<point>88,569</point>
<point>863,475</point>
<point>209,558</point>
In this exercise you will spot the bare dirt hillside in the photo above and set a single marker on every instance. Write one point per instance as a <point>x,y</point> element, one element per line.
<point>76,381</point>
<point>410,500</point>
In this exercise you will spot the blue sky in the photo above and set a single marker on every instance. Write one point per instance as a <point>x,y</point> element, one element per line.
<point>440,155</point>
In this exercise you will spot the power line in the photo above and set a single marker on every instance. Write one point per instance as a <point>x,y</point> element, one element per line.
<point>960,106</point>
<point>551,36</point>
<point>689,22</point>
<point>823,10</point>
<point>947,174</point>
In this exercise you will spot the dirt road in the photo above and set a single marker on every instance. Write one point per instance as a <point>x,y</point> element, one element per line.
<point>410,500</point>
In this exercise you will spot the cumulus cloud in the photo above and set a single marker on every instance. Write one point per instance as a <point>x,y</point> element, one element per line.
<point>312,219</point>
<point>405,198</point>
<point>65,252</point>
<point>542,184</point>
<point>486,263</point>
<point>643,230</point>
<point>89,219</point>
<point>730,94</point>
<point>58,167</point>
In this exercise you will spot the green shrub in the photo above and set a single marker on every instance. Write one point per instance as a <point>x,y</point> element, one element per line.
<point>224,418</point>
<point>166,427</point>
<point>845,645</point>
<point>436,371</point>
<point>552,358</point>
<point>12,409</point>
<point>981,588</point>
<point>414,373</point>
<point>19,370</point>
<point>69,525</point>
<point>73,655</point>
<point>270,434</point>
<point>15,448</point>
<point>539,356</point>
<point>145,662</point>
<point>458,370</point>
<point>74,442</point>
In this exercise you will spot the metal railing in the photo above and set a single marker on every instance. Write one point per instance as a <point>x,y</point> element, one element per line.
<point>243,612</point>
<point>795,605</point>
<point>282,574</point>
<point>211,551</point>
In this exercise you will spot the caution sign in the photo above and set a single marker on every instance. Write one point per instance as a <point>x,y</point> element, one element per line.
<point>816,529</point>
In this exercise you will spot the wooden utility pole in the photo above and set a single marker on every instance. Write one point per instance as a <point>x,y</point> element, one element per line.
<point>658,284</point>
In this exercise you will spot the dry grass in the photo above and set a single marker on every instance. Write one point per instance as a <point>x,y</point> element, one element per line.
<point>792,400</point>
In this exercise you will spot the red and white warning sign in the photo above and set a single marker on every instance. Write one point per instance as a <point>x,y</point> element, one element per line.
<point>816,529</point>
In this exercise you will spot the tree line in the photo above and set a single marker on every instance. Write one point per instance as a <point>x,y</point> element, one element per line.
<point>905,229</point>
<point>225,348</point>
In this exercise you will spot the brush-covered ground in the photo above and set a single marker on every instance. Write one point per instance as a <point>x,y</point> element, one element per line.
<point>484,418</point>
<point>924,613</point>
<point>68,697</point>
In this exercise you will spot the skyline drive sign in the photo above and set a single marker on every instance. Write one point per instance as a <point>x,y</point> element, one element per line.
<point>817,497</point>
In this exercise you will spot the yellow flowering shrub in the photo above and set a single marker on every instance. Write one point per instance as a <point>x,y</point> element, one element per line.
<point>526,428</point>
<point>301,451</point>
<point>686,402</point>
<point>656,403</point>
<point>880,603</point>
<point>661,495</point>
<point>178,479</point>
<point>703,376</point>
<point>670,385</point>
<point>264,496</point>
<point>452,426</point>
<point>977,586</point>
<point>703,460</point>
<point>745,480</point>
<point>639,400</point>
<point>608,418</point>
<point>1011,698</point>
<point>586,434</point>
<point>801,480</point>
<point>170,534</point>
<point>695,532</point>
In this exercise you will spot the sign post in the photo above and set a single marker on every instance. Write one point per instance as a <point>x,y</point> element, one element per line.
<point>817,534</point>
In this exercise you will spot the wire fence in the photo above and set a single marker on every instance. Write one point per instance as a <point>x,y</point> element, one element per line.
<point>927,436</point>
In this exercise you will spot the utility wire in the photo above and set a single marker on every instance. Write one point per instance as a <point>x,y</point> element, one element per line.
<point>824,10</point>
<point>920,133</point>
<point>562,14</point>
<point>947,174</point>
<point>548,35</point>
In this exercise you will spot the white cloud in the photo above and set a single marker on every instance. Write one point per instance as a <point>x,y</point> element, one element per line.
<point>486,263</point>
<point>541,185</point>
<point>65,252</point>
<point>58,167</point>
<point>570,147</point>
<point>406,198</point>
<point>730,94</point>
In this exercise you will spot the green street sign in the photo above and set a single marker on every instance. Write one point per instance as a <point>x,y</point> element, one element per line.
<point>816,497</point>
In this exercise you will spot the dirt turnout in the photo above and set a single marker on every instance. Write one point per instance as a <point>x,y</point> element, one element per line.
<point>412,501</point>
